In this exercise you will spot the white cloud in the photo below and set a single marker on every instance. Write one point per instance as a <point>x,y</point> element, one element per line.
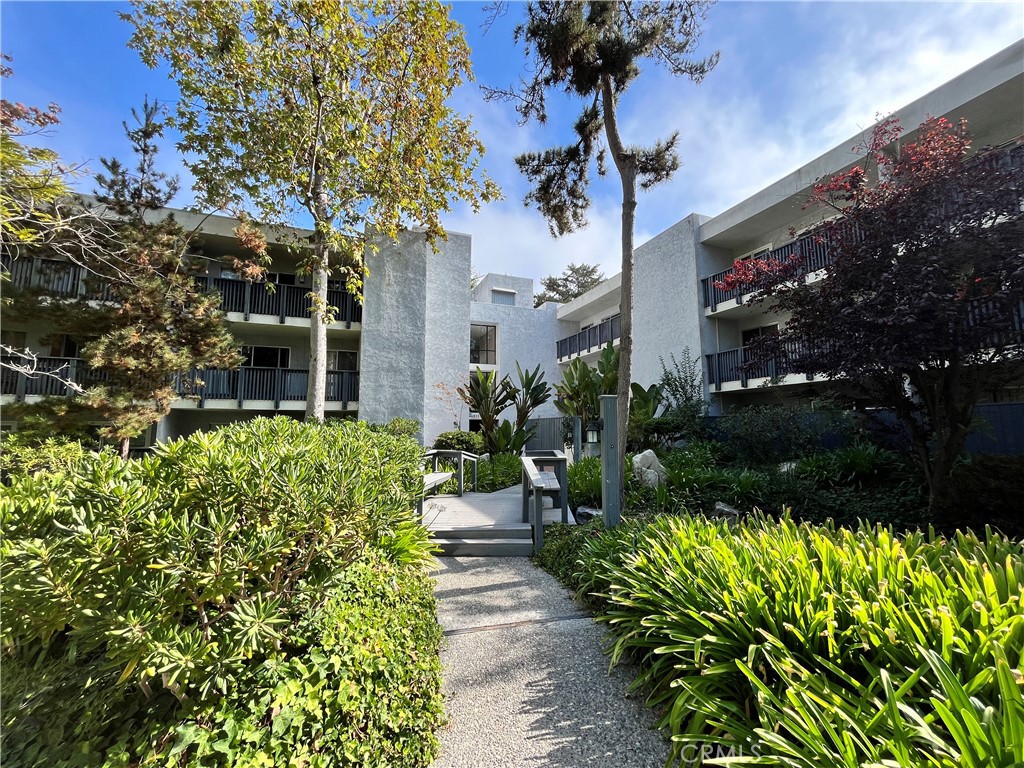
<point>740,133</point>
<point>512,239</point>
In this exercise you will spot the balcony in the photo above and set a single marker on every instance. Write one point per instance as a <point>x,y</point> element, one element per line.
<point>812,253</point>
<point>68,281</point>
<point>589,339</point>
<point>734,365</point>
<point>283,302</point>
<point>277,385</point>
<point>48,378</point>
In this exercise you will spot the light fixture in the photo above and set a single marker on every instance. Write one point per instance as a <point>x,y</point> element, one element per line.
<point>594,430</point>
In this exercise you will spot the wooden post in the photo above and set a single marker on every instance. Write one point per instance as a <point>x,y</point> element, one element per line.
<point>538,519</point>
<point>461,463</point>
<point>611,492</point>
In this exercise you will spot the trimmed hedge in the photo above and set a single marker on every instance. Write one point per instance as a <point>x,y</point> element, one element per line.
<point>457,440</point>
<point>190,594</point>
<point>803,645</point>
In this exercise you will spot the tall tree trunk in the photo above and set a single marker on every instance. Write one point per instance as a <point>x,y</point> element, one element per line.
<point>126,443</point>
<point>316,388</point>
<point>625,163</point>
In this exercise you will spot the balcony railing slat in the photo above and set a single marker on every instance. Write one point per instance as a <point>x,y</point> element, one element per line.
<point>589,339</point>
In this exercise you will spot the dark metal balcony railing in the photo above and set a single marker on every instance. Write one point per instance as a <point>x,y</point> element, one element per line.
<point>809,249</point>
<point>276,384</point>
<point>66,280</point>
<point>814,254</point>
<point>594,337</point>
<point>283,302</point>
<point>48,376</point>
<point>738,365</point>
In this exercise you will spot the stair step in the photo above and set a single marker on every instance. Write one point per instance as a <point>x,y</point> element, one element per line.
<point>494,547</point>
<point>484,532</point>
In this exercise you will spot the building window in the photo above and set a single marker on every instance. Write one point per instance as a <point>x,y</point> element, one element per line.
<point>753,333</point>
<point>342,360</point>
<point>483,345</point>
<point>62,345</point>
<point>266,357</point>
<point>508,298</point>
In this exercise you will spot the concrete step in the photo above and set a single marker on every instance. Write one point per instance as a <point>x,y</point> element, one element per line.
<point>483,532</point>
<point>492,547</point>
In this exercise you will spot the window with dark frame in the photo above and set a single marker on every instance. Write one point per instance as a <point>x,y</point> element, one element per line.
<point>266,357</point>
<point>483,345</point>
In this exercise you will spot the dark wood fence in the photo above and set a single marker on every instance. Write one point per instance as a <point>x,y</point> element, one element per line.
<point>548,436</point>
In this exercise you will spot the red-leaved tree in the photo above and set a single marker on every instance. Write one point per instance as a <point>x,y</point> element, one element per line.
<point>922,307</point>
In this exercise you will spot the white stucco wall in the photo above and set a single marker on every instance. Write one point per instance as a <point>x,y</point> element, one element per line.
<point>527,336</point>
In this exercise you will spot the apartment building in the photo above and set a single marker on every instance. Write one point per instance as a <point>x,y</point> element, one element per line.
<point>422,328</point>
<point>677,308</point>
<point>401,353</point>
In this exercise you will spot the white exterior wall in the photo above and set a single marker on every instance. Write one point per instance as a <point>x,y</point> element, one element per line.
<point>526,336</point>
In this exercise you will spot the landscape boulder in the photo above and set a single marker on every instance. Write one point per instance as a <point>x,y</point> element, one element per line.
<point>648,469</point>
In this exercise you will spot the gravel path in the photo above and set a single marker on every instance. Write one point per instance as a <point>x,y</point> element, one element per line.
<point>526,681</point>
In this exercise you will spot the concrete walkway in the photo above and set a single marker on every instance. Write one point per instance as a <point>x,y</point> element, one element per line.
<point>526,681</point>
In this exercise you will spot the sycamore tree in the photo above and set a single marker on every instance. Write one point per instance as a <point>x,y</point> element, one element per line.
<point>921,309</point>
<point>335,110</point>
<point>593,51</point>
<point>575,280</point>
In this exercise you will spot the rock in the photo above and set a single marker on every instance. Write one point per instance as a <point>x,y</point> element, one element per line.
<point>648,469</point>
<point>585,514</point>
<point>731,514</point>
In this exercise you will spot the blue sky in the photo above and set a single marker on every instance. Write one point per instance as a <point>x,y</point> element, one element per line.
<point>794,79</point>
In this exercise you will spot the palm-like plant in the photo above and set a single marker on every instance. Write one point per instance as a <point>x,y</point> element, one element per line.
<point>488,396</point>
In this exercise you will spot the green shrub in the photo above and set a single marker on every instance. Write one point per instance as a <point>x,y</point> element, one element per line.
<point>179,575</point>
<point>359,685</point>
<point>817,646</point>
<point>470,442</point>
<point>498,472</point>
<point>760,435</point>
<point>585,483</point>
<point>398,427</point>
<point>22,456</point>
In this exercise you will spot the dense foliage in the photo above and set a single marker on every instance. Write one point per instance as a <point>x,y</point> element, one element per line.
<point>22,456</point>
<point>244,594</point>
<point>457,440</point>
<point>917,312</point>
<point>812,646</point>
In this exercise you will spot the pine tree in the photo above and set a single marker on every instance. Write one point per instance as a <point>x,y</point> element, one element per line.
<point>575,280</point>
<point>161,323</point>
<point>593,51</point>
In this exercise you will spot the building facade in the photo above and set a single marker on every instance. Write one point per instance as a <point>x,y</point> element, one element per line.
<point>677,308</point>
<point>402,352</point>
<point>422,328</point>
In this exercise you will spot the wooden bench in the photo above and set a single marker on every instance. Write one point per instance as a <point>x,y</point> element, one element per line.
<point>538,485</point>
<point>432,481</point>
